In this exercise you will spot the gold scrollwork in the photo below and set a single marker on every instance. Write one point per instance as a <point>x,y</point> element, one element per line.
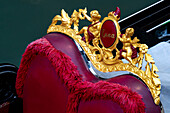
<point>101,57</point>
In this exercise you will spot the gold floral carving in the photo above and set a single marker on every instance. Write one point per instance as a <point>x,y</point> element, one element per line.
<point>101,57</point>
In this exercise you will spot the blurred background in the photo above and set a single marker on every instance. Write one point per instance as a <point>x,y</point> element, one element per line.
<point>23,21</point>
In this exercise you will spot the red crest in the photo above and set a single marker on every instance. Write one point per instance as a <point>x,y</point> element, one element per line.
<point>108,33</point>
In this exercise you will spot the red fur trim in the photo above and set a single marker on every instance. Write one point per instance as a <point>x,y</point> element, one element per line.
<point>129,101</point>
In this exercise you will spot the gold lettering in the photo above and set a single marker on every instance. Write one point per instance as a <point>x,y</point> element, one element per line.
<point>105,35</point>
<point>108,35</point>
<point>113,36</point>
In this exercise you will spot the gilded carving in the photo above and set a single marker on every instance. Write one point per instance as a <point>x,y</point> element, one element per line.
<point>99,42</point>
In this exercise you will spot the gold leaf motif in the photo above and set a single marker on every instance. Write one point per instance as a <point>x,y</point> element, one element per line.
<point>148,71</point>
<point>154,68</point>
<point>149,58</point>
<point>156,81</point>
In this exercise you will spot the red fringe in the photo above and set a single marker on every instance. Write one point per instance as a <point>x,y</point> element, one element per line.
<point>129,101</point>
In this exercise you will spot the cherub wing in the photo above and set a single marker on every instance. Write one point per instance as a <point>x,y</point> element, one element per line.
<point>65,16</point>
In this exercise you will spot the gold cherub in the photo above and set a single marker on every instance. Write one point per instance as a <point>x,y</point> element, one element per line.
<point>127,43</point>
<point>93,30</point>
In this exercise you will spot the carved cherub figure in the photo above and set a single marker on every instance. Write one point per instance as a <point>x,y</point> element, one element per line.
<point>92,30</point>
<point>127,43</point>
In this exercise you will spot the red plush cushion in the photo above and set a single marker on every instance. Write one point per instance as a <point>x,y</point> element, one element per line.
<point>54,78</point>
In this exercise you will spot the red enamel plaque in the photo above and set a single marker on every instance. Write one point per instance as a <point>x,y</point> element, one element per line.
<point>108,33</point>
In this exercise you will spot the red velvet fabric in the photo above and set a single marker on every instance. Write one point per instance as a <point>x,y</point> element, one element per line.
<point>78,89</point>
<point>68,47</point>
<point>139,87</point>
<point>99,106</point>
<point>43,91</point>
